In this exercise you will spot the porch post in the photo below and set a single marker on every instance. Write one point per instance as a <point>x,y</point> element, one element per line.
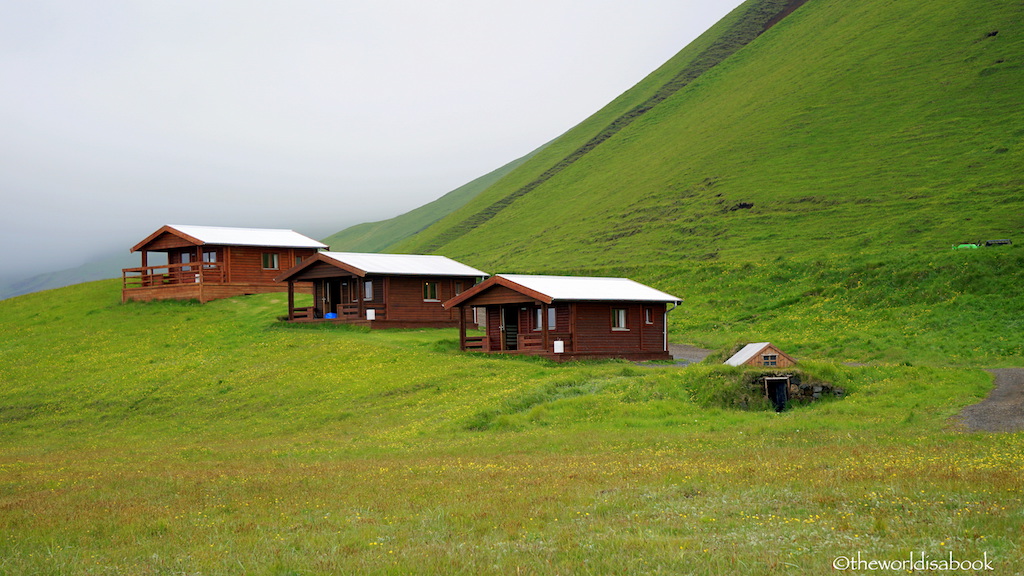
<point>291,300</point>
<point>544,326</point>
<point>462,327</point>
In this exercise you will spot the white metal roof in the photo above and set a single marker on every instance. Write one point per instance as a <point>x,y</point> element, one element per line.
<point>746,353</point>
<point>277,237</point>
<point>405,264</point>
<point>591,288</point>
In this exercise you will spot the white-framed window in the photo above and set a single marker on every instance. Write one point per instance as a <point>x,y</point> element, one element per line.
<point>430,292</point>
<point>619,319</point>
<point>271,261</point>
<point>538,319</point>
<point>368,290</point>
<point>648,316</point>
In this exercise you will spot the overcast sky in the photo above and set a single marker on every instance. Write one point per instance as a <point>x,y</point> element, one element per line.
<point>117,117</point>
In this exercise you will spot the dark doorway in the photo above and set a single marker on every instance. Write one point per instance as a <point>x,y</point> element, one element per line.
<point>510,323</point>
<point>332,296</point>
<point>777,390</point>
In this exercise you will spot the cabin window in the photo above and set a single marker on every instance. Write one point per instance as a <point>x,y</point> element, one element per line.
<point>209,258</point>
<point>619,319</point>
<point>648,316</point>
<point>770,359</point>
<point>458,288</point>
<point>298,260</point>
<point>186,257</point>
<point>430,292</point>
<point>368,290</point>
<point>270,261</point>
<point>538,319</point>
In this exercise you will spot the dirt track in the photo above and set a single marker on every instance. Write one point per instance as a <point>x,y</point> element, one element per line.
<point>1003,410</point>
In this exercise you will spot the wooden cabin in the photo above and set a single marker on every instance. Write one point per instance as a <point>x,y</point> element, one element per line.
<point>762,354</point>
<point>209,262</point>
<point>568,317</point>
<point>380,290</point>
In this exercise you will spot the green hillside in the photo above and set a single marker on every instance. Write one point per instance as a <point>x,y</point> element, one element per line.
<point>847,128</point>
<point>848,141</point>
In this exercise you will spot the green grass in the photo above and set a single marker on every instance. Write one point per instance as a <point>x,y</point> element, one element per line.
<point>182,438</point>
<point>174,438</point>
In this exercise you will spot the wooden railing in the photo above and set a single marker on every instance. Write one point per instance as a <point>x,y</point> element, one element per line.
<point>167,274</point>
<point>302,313</point>
<point>351,311</point>
<point>535,341</point>
<point>474,343</point>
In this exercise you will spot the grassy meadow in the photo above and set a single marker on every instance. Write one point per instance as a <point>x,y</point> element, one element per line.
<point>176,438</point>
<point>804,191</point>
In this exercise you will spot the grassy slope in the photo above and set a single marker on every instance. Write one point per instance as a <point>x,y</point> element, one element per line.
<point>379,236</point>
<point>179,438</point>
<point>851,128</point>
<point>869,137</point>
<point>176,438</point>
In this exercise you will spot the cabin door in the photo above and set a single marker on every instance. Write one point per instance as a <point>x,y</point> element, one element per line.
<point>510,326</point>
<point>332,295</point>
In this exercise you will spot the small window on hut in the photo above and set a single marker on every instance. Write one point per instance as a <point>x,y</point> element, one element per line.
<point>648,316</point>
<point>368,290</point>
<point>770,359</point>
<point>270,261</point>
<point>210,258</point>
<point>430,292</point>
<point>619,319</point>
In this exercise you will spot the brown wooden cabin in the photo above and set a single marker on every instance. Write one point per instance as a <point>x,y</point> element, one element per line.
<point>380,290</point>
<point>209,262</point>
<point>762,354</point>
<point>568,317</point>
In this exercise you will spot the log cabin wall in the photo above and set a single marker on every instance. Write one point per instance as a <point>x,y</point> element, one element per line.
<point>594,332</point>
<point>406,298</point>
<point>245,263</point>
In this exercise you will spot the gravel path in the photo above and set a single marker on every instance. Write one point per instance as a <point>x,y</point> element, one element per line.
<point>688,353</point>
<point>1003,410</point>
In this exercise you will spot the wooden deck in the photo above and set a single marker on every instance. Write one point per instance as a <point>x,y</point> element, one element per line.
<point>202,281</point>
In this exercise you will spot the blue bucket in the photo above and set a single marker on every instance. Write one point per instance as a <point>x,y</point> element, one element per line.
<point>330,316</point>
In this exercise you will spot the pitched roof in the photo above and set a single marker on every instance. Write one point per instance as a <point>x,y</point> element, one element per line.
<point>571,288</point>
<point>746,353</point>
<point>361,264</point>
<point>222,235</point>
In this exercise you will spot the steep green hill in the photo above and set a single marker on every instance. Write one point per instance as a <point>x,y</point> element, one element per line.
<point>846,128</point>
